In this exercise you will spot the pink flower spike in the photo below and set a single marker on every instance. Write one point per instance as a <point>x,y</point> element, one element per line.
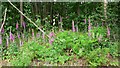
<point>11,36</point>
<point>2,31</point>
<point>38,35</point>
<point>17,25</point>
<point>73,27</point>
<point>108,31</point>
<point>51,34</point>
<point>32,33</point>
<point>18,36</point>
<point>24,24</point>
<point>51,41</point>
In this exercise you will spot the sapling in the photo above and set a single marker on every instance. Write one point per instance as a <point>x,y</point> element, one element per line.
<point>7,40</point>
<point>73,27</point>
<point>43,37</point>
<point>77,27</point>
<point>89,28</point>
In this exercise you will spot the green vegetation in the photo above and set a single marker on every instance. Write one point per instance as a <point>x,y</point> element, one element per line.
<point>56,33</point>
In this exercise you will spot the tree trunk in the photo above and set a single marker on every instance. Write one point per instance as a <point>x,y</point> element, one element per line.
<point>36,8</point>
<point>51,13</point>
<point>105,9</point>
<point>21,9</point>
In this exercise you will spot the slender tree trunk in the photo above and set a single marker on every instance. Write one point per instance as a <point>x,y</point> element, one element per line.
<point>21,9</point>
<point>105,9</point>
<point>78,12</point>
<point>36,8</point>
<point>51,13</point>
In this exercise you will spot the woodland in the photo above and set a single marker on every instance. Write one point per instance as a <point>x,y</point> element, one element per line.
<point>59,33</point>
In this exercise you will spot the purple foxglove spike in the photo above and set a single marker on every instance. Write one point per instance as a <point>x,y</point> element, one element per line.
<point>24,24</point>
<point>11,37</point>
<point>85,21</point>
<point>51,34</point>
<point>73,27</point>
<point>51,41</point>
<point>18,35</point>
<point>32,33</point>
<point>0,39</point>
<point>38,35</point>
<point>2,31</point>
<point>89,33</point>
<point>17,25</point>
<point>108,31</point>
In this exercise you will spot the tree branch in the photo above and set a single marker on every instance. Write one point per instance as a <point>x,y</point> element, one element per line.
<point>3,20</point>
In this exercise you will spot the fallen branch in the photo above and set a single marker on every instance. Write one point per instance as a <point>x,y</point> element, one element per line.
<point>3,20</point>
<point>27,17</point>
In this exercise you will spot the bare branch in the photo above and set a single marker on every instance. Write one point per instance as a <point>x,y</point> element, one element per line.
<point>3,20</point>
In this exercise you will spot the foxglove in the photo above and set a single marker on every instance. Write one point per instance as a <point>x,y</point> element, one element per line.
<point>51,34</point>
<point>11,37</point>
<point>24,24</point>
<point>2,31</point>
<point>73,27</point>
<point>18,35</point>
<point>51,41</point>
<point>108,31</point>
<point>17,25</point>
<point>32,33</point>
<point>38,35</point>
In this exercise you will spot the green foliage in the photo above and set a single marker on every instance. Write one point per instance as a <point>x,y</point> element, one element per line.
<point>97,57</point>
<point>25,55</point>
<point>11,51</point>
